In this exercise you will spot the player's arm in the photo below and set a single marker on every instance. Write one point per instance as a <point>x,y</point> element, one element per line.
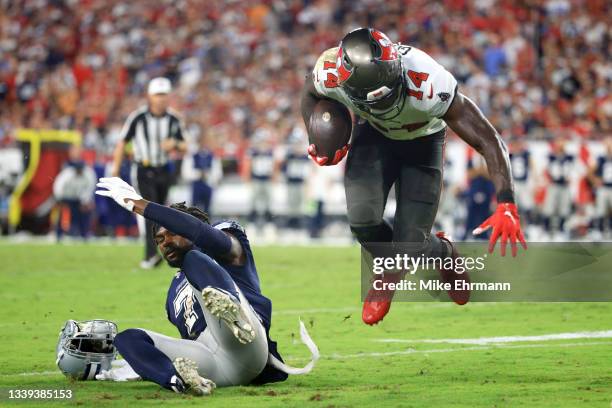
<point>308,100</point>
<point>218,244</point>
<point>117,158</point>
<point>127,134</point>
<point>464,117</point>
<point>468,122</point>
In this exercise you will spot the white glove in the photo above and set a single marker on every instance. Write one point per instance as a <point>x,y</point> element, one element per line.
<point>118,190</point>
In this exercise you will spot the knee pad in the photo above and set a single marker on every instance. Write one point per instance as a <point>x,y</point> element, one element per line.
<point>373,233</point>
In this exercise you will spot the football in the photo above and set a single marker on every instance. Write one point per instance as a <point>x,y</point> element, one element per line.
<point>329,128</point>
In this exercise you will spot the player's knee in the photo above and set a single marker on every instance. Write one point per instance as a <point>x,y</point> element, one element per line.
<point>372,233</point>
<point>364,213</point>
<point>131,338</point>
<point>194,261</point>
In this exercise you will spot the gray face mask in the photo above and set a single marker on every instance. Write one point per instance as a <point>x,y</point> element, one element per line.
<point>86,348</point>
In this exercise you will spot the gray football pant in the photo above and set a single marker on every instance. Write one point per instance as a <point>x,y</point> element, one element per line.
<point>220,357</point>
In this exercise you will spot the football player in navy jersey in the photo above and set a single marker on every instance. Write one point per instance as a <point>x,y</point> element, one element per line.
<point>214,300</point>
<point>521,163</point>
<point>295,167</point>
<point>558,203</point>
<point>601,177</point>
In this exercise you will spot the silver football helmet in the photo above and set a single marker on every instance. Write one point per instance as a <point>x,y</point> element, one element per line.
<point>86,348</point>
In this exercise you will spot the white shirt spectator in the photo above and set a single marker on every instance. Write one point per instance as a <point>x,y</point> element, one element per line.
<point>71,184</point>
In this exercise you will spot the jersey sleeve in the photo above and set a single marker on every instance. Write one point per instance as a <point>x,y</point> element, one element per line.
<point>129,127</point>
<point>444,90</point>
<point>325,75</point>
<point>430,86</point>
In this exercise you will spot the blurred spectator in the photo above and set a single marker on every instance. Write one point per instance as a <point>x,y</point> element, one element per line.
<point>522,173</point>
<point>601,178</point>
<point>478,196</point>
<point>558,203</point>
<point>73,189</point>
<point>204,171</point>
<point>296,165</point>
<point>261,172</point>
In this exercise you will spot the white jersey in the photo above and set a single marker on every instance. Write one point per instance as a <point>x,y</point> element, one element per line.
<point>431,90</point>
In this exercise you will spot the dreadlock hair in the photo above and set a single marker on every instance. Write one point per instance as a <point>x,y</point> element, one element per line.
<point>195,211</point>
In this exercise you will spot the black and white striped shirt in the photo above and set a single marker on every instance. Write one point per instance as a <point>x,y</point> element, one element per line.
<point>148,131</point>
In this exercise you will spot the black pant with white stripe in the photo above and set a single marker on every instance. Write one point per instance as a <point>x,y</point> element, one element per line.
<point>153,184</point>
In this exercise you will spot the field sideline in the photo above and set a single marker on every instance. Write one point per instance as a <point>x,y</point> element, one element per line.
<point>422,355</point>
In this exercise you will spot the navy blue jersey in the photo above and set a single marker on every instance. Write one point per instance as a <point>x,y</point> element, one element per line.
<point>203,160</point>
<point>262,163</point>
<point>604,170</point>
<point>559,167</point>
<point>480,195</point>
<point>296,167</point>
<point>185,312</point>
<point>520,165</point>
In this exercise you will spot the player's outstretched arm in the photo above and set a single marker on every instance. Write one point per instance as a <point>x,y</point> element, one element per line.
<point>214,242</point>
<point>308,101</point>
<point>464,117</point>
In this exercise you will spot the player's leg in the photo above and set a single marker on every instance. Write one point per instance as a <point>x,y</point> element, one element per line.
<point>146,187</point>
<point>418,194</point>
<point>231,322</point>
<point>153,356</point>
<point>565,206</point>
<point>549,208</point>
<point>368,179</point>
<point>367,182</point>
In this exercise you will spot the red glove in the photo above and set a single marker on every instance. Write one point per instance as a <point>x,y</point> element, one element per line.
<point>323,161</point>
<point>505,223</point>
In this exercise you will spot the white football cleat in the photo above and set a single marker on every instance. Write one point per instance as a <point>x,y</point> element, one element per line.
<point>223,306</point>
<point>194,384</point>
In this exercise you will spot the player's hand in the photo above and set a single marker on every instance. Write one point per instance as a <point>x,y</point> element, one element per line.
<point>324,160</point>
<point>506,224</point>
<point>118,190</point>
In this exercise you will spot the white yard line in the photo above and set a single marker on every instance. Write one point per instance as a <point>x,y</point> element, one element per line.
<point>603,334</point>
<point>456,350</point>
<point>337,356</point>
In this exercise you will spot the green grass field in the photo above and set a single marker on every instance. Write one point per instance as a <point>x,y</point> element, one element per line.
<point>44,285</point>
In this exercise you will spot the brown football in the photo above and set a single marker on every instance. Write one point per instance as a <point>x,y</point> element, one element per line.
<point>329,128</point>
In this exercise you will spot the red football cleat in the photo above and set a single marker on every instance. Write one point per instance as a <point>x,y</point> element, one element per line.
<point>460,297</point>
<point>378,302</point>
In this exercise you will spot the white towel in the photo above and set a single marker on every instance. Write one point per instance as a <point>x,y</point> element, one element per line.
<point>314,355</point>
<point>120,371</point>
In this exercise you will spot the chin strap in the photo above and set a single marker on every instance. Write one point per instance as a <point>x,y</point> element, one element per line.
<point>314,355</point>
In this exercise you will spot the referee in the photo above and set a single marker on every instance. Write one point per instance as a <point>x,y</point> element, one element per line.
<point>155,131</point>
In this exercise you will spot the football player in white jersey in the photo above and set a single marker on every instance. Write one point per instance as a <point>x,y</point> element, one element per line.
<point>402,101</point>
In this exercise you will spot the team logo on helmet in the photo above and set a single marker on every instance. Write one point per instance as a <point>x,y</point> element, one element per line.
<point>389,53</point>
<point>345,70</point>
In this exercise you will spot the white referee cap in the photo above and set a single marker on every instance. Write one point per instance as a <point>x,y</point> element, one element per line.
<point>159,85</point>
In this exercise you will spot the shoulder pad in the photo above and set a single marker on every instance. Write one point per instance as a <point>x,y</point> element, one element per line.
<point>229,224</point>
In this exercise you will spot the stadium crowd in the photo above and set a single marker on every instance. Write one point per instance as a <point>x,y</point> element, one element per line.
<point>539,69</point>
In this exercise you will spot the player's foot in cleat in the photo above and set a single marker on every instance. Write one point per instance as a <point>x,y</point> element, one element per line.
<point>152,262</point>
<point>378,302</point>
<point>194,384</point>
<point>460,297</point>
<point>223,306</point>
